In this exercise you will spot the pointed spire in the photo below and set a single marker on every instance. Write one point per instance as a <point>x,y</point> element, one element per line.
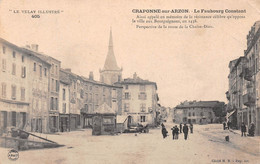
<point>110,63</point>
<point>110,39</point>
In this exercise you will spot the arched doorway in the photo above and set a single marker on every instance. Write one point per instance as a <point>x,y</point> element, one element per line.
<point>129,121</point>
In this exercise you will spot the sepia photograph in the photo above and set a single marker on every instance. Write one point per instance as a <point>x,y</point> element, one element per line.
<point>129,82</point>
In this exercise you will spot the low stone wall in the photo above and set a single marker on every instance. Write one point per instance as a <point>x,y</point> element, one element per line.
<point>24,144</point>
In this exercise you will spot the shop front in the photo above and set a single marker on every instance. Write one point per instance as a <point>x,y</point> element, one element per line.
<point>54,122</point>
<point>87,118</point>
<point>74,121</point>
<point>13,114</point>
<point>64,123</point>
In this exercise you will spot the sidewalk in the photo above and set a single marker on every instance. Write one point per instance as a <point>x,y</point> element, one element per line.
<point>238,132</point>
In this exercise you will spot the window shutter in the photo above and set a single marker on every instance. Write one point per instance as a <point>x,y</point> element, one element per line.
<point>58,86</point>
<point>3,64</point>
<point>18,119</point>
<point>22,71</point>
<point>129,95</point>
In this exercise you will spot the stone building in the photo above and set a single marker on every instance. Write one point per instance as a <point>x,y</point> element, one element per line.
<point>251,74</point>
<point>24,88</point>
<point>54,94</point>
<point>53,87</point>
<point>38,74</point>
<point>237,87</point>
<point>15,86</point>
<point>64,103</point>
<point>72,85</point>
<point>85,96</point>
<point>140,100</point>
<point>98,94</point>
<point>243,94</point>
<point>201,112</point>
<point>37,94</point>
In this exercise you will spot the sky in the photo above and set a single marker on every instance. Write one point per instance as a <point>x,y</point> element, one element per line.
<point>186,64</point>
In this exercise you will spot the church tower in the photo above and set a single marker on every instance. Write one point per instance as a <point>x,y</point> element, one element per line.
<point>110,73</point>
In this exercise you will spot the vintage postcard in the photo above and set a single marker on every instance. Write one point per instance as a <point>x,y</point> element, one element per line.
<point>129,82</point>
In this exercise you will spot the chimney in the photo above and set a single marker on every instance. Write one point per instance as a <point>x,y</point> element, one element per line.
<point>91,76</point>
<point>68,69</point>
<point>135,75</point>
<point>35,47</point>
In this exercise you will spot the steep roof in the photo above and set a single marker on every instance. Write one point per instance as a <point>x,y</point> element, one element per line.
<point>110,63</point>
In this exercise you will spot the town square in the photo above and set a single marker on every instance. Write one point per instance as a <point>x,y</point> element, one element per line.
<point>103,82</point>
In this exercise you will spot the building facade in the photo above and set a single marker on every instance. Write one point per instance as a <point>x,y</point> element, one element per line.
<point>201,112</point>
<point>64,103</point>
<point>15,86</point>
<point>38,75</point>
<point>72,95</point>
<point>243,94</point>
<point>98,94</point>
<point>237,87</point>
<point>38,95</point>
<point>140,100</point>
<point>85,97</point>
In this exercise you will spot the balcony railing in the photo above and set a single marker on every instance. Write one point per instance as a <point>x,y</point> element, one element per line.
<point>249,99</point>
<point>248,73</point>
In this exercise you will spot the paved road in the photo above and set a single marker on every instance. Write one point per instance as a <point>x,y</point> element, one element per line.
<point>205,145</point>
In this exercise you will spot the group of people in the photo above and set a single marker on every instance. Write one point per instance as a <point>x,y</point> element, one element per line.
<point>176,131</point>
<point>251,130</point>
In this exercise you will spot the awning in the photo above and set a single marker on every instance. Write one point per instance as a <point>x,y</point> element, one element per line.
<point>121,119</point>
<point>230,114</point>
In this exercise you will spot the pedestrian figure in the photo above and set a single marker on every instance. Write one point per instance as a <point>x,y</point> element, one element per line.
<point>243,129</point>
<point>164,132</point>
<point>176,132</point>
<point>180,127</point>
<point>251,130</point>
<point>224,125</point>
<point>228,124</point>
<point>185,131</point>
<point>173,132</point>
<point>162,125</point>
<point>191,128</point>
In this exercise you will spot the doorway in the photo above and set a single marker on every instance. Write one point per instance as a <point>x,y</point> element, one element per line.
<point>129,121</point>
